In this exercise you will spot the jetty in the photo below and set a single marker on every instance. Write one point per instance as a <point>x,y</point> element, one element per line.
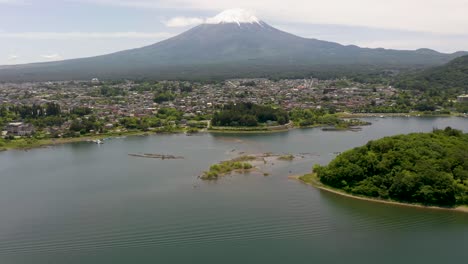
<point>156,156</point>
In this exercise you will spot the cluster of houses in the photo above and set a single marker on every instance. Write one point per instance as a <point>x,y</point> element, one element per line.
<point>289,94</point>
<point>202,99</point>
<point>18,129</point>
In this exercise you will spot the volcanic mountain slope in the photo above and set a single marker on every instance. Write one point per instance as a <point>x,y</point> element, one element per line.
<point>233,44</point>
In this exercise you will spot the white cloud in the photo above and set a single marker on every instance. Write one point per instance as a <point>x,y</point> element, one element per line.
<point>13,57</point>
<point>51,57</point>
<point>184,21</point>
<point>84,35</point>
<point>13,2</point>
<point>127,3</point>
<point>448,16</point>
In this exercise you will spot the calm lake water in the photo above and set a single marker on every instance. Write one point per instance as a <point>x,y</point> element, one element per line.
<point>84,203</point>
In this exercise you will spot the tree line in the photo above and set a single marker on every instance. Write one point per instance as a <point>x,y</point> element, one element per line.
<point>249,115</point>
<point>425,168</point>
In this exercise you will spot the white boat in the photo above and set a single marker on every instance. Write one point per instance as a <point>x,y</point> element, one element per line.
<point>98,141</point>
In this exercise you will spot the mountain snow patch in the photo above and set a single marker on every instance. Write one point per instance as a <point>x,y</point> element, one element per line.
<point>234,16</point>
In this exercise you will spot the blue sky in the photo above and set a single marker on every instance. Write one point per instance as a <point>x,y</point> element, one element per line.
<point>45,30</point>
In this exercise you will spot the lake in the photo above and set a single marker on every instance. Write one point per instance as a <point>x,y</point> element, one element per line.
<point>88,203</point>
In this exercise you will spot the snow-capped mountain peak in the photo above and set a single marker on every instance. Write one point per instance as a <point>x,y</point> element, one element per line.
<point>237,16</point>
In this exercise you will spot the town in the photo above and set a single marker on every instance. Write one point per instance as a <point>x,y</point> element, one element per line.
<point>98,107</point>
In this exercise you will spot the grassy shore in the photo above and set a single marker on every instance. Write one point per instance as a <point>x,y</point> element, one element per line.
<point>412,114</point>
<point>278,129</point>
<point>256,129</point>
<point>312,179</point>
<point>239,131</point>
<point>30,143</point>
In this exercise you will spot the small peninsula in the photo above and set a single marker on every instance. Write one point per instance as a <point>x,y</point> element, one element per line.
<point>429,169</point>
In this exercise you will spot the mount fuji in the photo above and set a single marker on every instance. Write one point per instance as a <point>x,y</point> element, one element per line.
<point>235,43</point>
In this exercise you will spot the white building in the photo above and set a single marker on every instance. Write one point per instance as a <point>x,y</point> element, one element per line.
<point>463,98</point>
<point>19,129</point>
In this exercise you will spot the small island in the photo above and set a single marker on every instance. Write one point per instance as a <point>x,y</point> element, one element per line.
<point>258,163</point>
<point>428,169</point>
<point>287,157</point>
<point>239,165</point>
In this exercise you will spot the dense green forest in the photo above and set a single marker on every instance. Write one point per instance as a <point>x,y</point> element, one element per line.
<point>451,78</point>
<point>424,168</point>
<point>248,114</point>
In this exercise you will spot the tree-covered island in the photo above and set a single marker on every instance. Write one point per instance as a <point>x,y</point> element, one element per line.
<point>420,168</point>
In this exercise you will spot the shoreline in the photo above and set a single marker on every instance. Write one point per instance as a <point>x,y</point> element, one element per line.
<point>228,131</point>
<point>292,127</point>
<point>44,143</point>
<point>313,182</point>
<point>409,115</point>
<point>256,129</point>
